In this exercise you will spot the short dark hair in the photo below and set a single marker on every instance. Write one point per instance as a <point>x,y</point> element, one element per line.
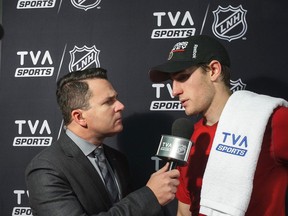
<point>225,73</point>
<point>73,92</point>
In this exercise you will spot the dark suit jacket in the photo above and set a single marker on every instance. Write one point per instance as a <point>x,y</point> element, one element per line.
<point>62,181</point>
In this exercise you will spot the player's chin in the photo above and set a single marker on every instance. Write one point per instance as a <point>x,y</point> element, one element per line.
<point>189,112</point>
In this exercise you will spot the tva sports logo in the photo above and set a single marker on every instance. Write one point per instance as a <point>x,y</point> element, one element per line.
<point>21,197</point>
<point>34,4</point>
<point>233,144</point>
<point>229,23</point>
<point>173,25</point>
<point>85,4</point>
<point>34,64</point>
<point>32,133</point>
<point>83,57</point>
<point>164,105</point>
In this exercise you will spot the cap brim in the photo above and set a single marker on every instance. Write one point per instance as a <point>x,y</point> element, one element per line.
<point>162,72</point>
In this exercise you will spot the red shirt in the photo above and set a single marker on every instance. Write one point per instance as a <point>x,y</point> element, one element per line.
<point>271,175</point>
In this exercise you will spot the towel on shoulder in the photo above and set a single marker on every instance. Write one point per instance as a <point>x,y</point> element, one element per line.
<point>234,154</point>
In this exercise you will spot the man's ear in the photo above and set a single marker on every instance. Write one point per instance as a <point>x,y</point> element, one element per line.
<point>216,69</point>
<point>77,116</point>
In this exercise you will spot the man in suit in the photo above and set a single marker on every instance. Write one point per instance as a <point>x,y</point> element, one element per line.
<point>66,179</point>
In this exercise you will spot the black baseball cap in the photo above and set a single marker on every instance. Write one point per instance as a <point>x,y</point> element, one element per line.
<point>188,52</point>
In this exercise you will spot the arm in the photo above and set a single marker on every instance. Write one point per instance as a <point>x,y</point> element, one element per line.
<point>183,209</point>
<point>50,193</point>
<point>159,190</point>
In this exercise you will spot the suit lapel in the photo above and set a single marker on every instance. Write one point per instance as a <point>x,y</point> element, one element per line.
<point>118,169</point>
<point>112,161</point>
<point>81,163</point>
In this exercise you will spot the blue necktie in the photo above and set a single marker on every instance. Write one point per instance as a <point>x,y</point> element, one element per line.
<point>108,179</point>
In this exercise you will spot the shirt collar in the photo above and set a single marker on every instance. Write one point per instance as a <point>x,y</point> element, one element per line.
<point>85,146</point>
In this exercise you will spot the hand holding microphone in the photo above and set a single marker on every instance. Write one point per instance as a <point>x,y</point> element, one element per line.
<point>176,148</point>
<point>163,184</point>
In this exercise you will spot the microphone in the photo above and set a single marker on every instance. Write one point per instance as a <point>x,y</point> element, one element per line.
<point>1,31</point>
<point>176,148</point>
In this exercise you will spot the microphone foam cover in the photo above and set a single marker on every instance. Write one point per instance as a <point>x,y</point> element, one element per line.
<point>183,127</point>
<point>1,31</point>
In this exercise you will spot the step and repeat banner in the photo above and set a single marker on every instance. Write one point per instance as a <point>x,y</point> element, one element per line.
<point>45,39</point>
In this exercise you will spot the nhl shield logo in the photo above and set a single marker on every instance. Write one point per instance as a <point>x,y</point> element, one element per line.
<point>84,57</point>
<point>237,85</point>
<point>85,4</point>
<point>229,23</point>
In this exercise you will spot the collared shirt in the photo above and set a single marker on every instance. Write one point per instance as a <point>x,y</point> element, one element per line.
<point>88,150</point>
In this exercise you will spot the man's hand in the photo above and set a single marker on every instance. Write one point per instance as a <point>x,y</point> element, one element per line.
<point>164,184</point>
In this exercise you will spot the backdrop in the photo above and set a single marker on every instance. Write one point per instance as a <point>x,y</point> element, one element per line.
<point>45,39</point>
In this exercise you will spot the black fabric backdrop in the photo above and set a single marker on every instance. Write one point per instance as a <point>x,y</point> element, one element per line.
<point>45,39</point>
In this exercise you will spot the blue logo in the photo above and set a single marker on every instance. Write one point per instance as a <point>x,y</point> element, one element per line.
<point>233,144</point>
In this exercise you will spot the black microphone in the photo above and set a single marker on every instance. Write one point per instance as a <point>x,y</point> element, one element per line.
<point>1,31</point>
<point>176,148</point>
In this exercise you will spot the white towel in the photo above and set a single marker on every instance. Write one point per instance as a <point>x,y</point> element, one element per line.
<point>228,178</point>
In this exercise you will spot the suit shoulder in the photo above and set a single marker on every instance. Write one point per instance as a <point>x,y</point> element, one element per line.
<point>48,157</point>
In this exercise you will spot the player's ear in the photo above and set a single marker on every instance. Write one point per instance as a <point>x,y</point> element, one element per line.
<point>216,69</point>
